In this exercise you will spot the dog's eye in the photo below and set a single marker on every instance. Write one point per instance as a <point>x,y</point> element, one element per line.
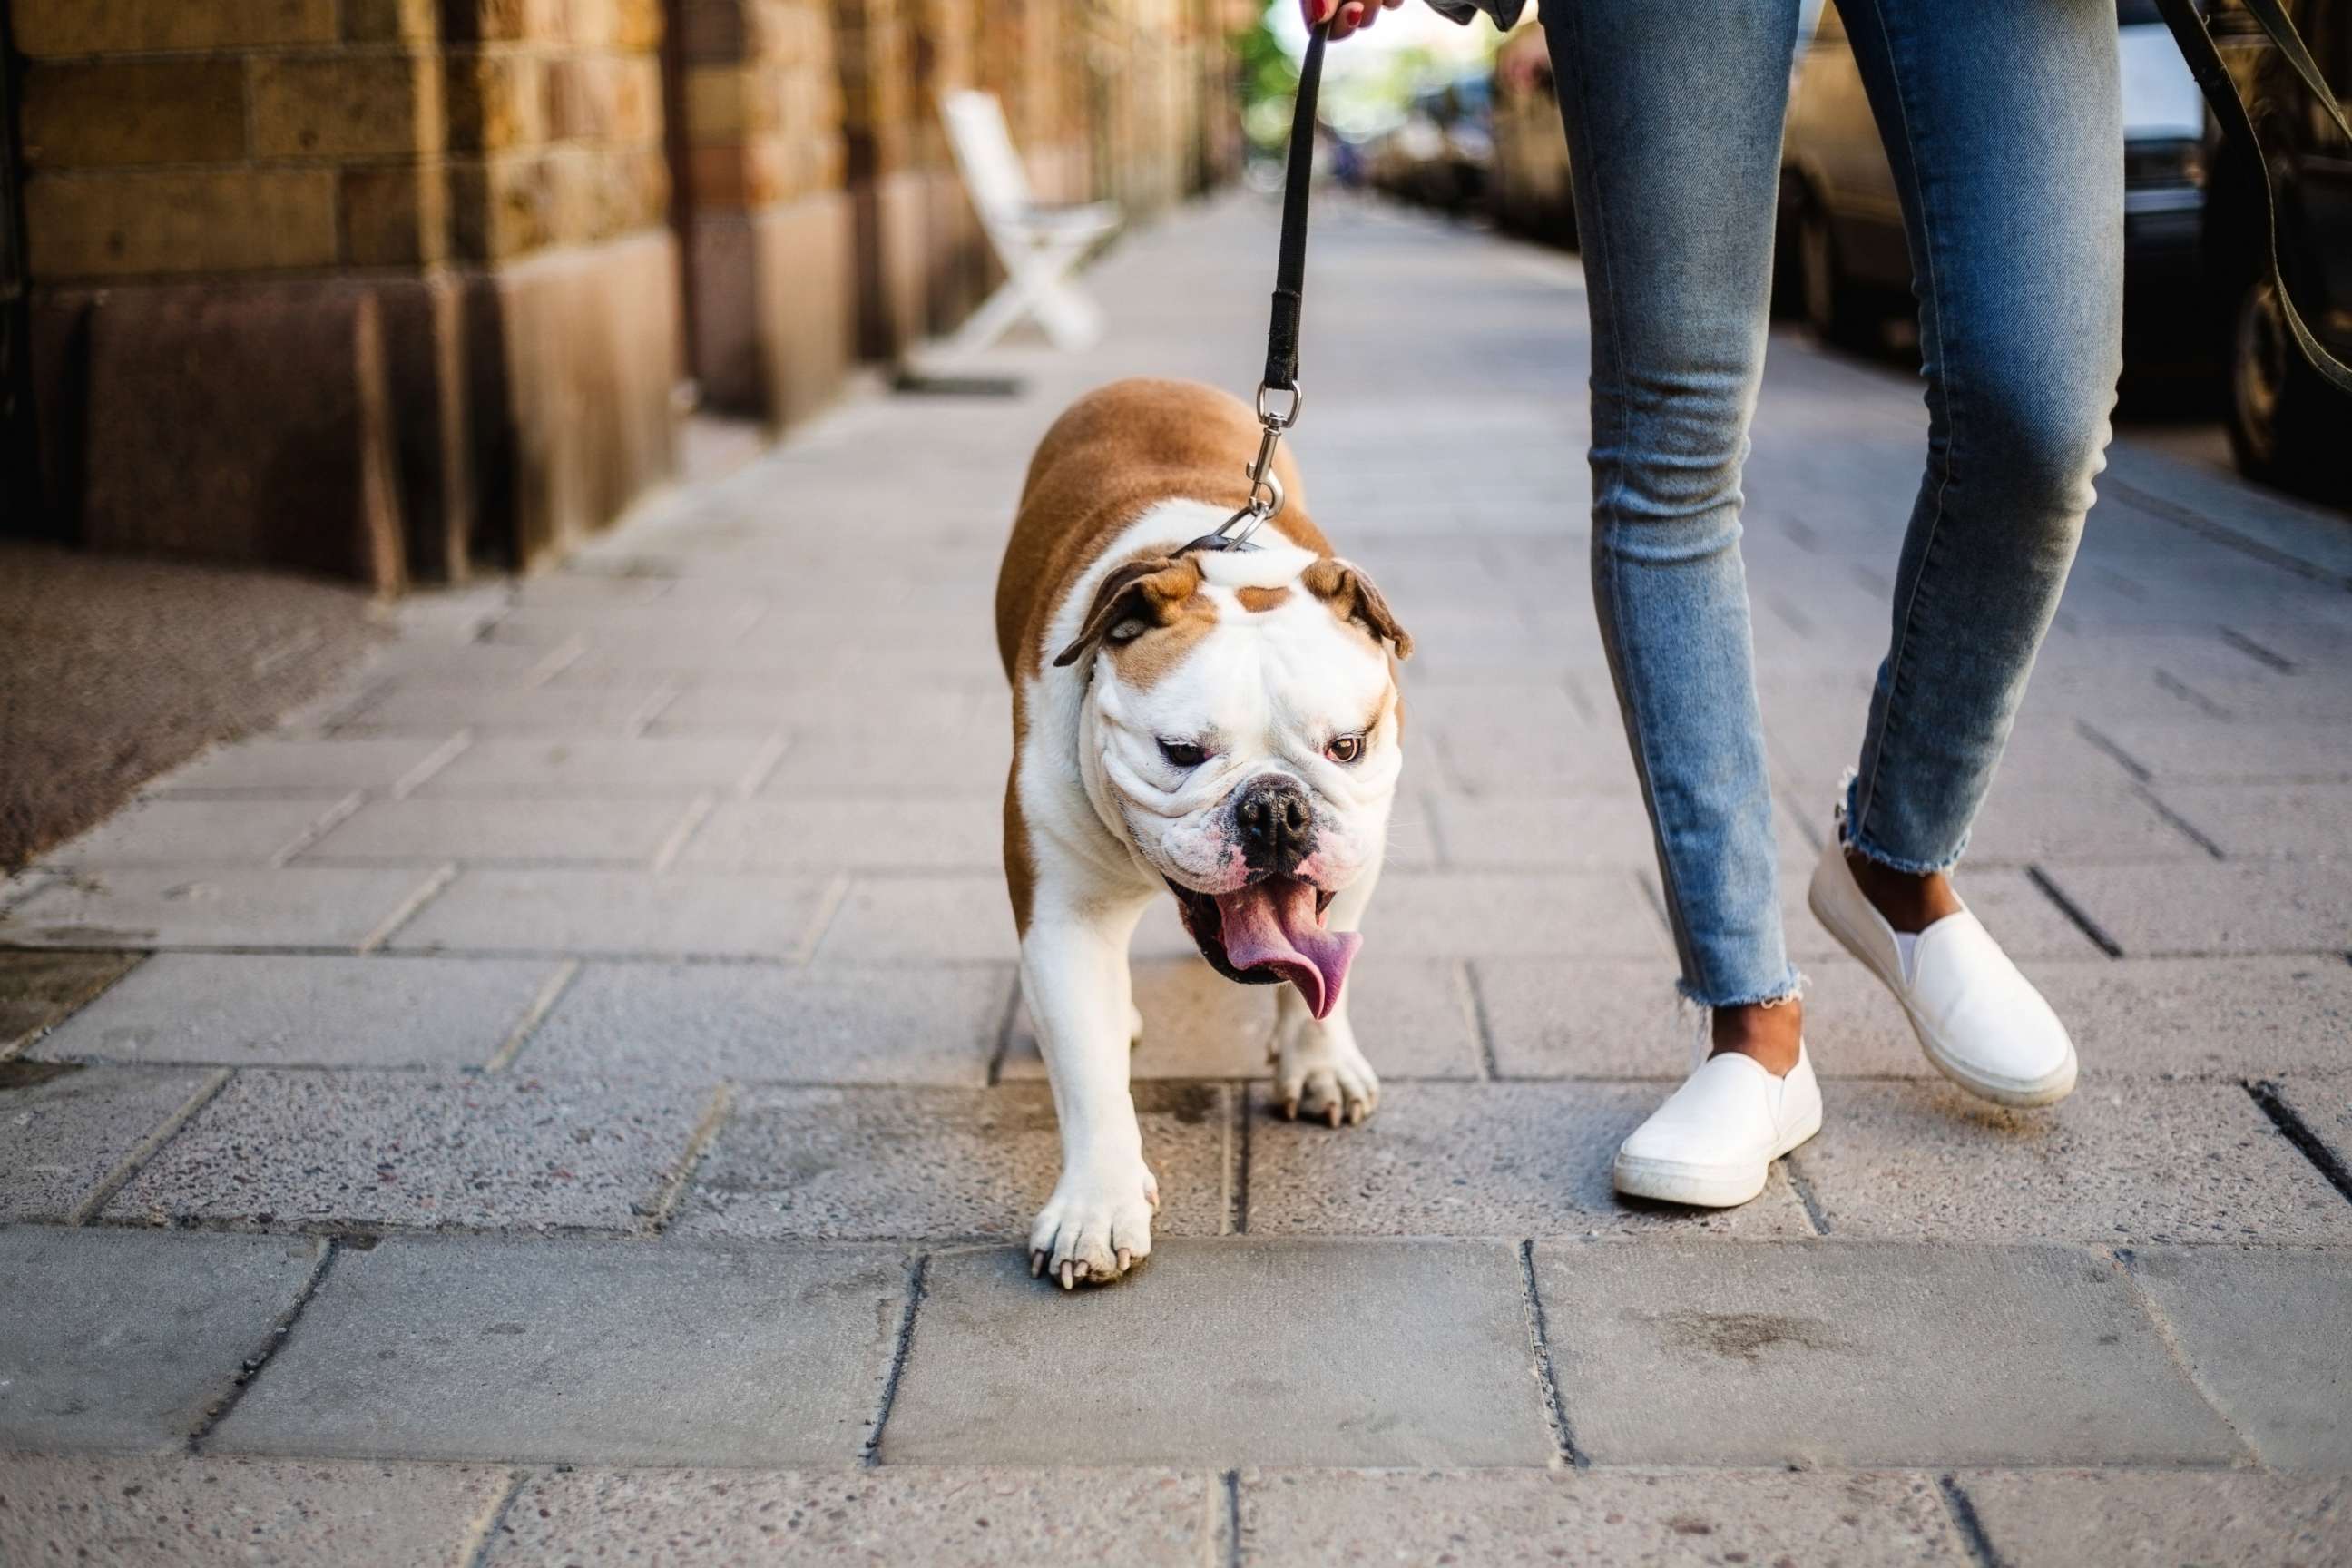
<point>1182,754</point>
<point>1345,748</point>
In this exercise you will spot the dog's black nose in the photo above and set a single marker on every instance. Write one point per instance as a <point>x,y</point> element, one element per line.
<point>1276,821</point>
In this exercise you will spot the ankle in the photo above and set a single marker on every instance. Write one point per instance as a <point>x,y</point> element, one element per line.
<point>1768,1034</point>
<point>1909,901</point>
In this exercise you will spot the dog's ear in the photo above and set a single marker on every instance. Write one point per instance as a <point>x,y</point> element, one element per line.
<point>1133,599</point>
<point>1353,598</point>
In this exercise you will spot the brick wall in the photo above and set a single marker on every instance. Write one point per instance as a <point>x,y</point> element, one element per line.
<point>386,203</point>
<point>394,288</point>
<point>767,225</point>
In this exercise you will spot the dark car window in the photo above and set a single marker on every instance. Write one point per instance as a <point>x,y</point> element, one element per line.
<point>2138,12</point>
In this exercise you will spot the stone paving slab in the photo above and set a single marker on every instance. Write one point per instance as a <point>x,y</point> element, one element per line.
<point>2086,823</point>
<point>971,1518</point>
<point>2265,1333</point>
<point>408,706</point>
<point>126,1512</point>
<point>287,1149</point>
<point>1513,758</point>
<point>1478,915</point>
<point>2229,1018</point>
<point>613,1353</point>
<point>941,1165</point>
<point>758,709</point>
<point>891,764</point>
<point>961,918</point>
<point>64,1130</point>
<point>1585,1017</point>
<point>126,1339</point>
<point>622,914</point>
<point>2255,750</point>
<point>2236,907</point>
<point>271,764</point>
<point>41,990</point>
<point>1787,1354</point>
<point>542,767</point>
<point>1536,1519</point>
<point>545,830</point>
<point>801,835</point>
<point>2313,820</point>
<point>307,907</point>
<point>706,1021</point>
<point>2059,1519</point>
<point>2119,1161</point>
<point>1234,1352</point>
<point>306,1010</point>
<point>170,832</point>
<point>1412,1019</point>
<point>2323,1107</point>
<point>1448,1159</point>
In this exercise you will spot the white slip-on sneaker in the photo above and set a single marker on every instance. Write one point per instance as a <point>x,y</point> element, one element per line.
<point>1980,1020</point>
<point>1712,1142</point>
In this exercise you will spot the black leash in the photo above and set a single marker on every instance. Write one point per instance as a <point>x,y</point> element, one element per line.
<point>2189,30</point>
<point>1282,332</point>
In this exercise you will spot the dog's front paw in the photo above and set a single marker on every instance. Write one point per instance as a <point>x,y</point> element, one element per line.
<point>1324,1080</point>
<point>1097,1226</point>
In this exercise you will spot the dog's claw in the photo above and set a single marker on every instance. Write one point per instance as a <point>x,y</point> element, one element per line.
<point>1069,1276</point>
<point>1037,1264</point>
<point>1126,1260</point>
<point>1332,1114</point>
<point>1290,1108</point>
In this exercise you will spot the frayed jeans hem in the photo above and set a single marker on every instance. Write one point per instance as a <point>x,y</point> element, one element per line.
<point>1850,838</point>
<point>1789,989</point>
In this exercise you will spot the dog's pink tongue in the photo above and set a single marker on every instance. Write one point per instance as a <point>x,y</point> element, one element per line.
<point>1272,925</point>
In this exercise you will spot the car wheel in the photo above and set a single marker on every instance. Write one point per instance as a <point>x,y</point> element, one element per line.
<point>2278,407</point>
<point>1835,305</point>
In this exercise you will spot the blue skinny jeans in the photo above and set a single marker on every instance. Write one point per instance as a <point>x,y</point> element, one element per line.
<point>2003,124</point>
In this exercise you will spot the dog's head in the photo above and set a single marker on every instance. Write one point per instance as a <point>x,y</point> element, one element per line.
<point>1243,732</point>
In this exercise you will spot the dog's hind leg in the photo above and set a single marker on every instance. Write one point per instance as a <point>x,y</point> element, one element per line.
<point>1073,972</point>
<point>1318,1072</point>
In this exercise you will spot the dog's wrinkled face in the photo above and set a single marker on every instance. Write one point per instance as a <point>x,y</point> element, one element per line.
<point>1241,733</point>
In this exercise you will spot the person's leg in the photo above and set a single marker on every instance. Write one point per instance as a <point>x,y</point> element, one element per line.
<point>1674,117</point>
<point>2003,123</point>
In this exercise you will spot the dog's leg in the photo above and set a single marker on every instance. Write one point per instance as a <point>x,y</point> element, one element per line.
<point>1081,999</point>
<point>1318,1070</point>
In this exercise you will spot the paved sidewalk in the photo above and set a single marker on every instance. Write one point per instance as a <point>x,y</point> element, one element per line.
<point>566,1096</point>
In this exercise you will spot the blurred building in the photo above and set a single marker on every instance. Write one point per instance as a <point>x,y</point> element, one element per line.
<point>400,289</point>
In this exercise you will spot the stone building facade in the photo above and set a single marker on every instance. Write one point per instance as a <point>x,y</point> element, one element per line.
<point>397,290</point>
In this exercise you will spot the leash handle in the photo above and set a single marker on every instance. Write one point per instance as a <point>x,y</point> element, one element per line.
<point>1290,264</point>
<point>2190,31</point>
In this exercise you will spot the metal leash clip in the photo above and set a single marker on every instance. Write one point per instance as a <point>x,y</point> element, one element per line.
<point>1265,496</point>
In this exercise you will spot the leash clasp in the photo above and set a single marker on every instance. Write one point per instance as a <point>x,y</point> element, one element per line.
<point>1266,496</point>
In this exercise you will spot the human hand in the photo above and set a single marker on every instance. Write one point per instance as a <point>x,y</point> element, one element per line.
<point>1352,16</point>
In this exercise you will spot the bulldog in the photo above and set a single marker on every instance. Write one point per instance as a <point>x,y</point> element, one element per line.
<point>1220,727</point>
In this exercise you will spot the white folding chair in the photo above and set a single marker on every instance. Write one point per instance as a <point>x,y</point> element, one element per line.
<point>1041,247</point>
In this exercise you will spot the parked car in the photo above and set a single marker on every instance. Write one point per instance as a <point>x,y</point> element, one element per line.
<point>1442,153</point>
<point>1529,193</point>
<point>1844,263</point>
<point>2286,425</point>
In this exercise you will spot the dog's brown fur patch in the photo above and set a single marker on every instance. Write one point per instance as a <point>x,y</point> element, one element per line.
<point>1115,453</point>
<point>1258,600</point>
<point>1355,600</point>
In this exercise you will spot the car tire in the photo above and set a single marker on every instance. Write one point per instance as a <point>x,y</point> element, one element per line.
<point>2279,409</point>
<point>1840,310</point>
